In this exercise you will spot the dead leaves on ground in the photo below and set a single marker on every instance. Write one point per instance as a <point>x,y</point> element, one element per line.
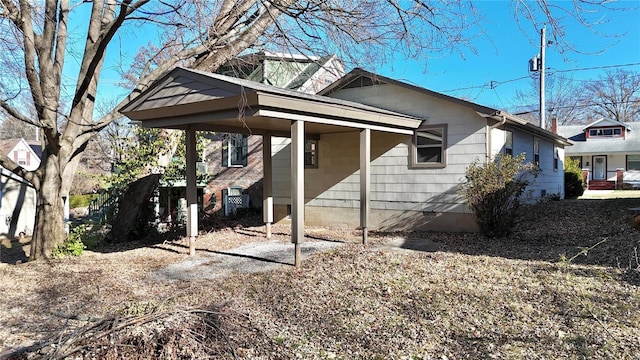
<point>474,298</point>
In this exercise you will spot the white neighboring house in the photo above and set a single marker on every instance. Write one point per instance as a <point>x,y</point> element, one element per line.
<point>17,196</point>
<point>608,151</point>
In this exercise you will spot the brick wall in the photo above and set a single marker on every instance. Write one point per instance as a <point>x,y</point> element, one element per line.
<point>248,177</point>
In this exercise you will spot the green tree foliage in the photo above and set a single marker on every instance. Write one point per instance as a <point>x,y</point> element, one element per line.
<point>73,245</point>
<point>145,152</point>
<point>573,180</point>
<point>494,190</point>
<point>139,156</point>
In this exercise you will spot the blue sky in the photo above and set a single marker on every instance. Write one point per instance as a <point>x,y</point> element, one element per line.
<point>503,54</point>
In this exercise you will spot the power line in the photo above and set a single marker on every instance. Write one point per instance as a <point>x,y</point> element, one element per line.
<point>591,104</point>
<point>597,67</point>
<point>493,84</point>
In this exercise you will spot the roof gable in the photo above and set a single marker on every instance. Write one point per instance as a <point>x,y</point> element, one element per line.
<point>8,146</point>
<point>602,145</point>
<point>182,86</point>
<point>362,78</point>
<point>602,122</point>
<point>359,78</point>
<point>183,95</point>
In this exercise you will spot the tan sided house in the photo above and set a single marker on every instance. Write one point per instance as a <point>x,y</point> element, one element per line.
<point>369,152</point>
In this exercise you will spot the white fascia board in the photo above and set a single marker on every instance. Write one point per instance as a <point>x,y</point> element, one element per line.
<point>336,122</point>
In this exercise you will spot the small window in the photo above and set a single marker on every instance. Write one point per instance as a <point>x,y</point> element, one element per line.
<point>21,157</point>
<point>633,162</point>
<point>606,132</point>
<point>536,151</point>
<point>311,153</point>
<point>508,143</point>
<point>235,150</point>
<point>555,158</point>
<point>429,146</point>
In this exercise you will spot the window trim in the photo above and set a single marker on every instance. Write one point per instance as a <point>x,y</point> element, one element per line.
<point>556,159</point>
<point>414,148</point>
<point>536,151</point>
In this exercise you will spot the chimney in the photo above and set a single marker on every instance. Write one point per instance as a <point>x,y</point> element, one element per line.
<point>554,124</point>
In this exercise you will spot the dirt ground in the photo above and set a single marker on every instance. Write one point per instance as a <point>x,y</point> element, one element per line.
<point>565,285</point>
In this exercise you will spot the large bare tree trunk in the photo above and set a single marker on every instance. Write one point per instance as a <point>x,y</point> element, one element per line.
<point>49,229</point>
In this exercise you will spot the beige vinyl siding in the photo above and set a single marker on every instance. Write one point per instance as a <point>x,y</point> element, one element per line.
<point>394,186</point>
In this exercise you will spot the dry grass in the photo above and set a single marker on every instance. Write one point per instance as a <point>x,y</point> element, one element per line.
<point>611,194</point>
<point>473,298</point>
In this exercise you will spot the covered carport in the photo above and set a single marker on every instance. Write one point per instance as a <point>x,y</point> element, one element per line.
<point>192,100</point>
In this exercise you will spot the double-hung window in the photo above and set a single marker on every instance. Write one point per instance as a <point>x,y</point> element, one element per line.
<point>555,158</point>
<point>21,157</point>
<point>536,151</point>
<point>235,150</point>
<point>508,142</point>
<point>429,147</point>
<point>311,153</point>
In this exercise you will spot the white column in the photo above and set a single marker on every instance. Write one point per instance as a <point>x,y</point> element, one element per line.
<point>267,181</point>
<point>192,194</point>
<point>297,187</point>
<point>365,181</point>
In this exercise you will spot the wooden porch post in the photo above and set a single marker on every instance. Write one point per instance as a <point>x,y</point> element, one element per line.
<point>192,194</point>
<point>297,187</point>
<point>365,181</point>
<point>267,180</point>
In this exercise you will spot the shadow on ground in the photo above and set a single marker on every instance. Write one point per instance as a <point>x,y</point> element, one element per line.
<point>592,232</point>
<point>14,251</point>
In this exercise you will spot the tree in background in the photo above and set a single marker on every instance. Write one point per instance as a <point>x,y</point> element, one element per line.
<point>563,100</point>
<point>53,54</point>
<point>11,128</point>
<point>615,96</point>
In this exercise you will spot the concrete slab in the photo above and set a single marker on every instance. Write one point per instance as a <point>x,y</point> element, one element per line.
<point>250,258</point>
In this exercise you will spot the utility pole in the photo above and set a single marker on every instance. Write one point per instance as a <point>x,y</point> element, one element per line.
<point>537,64</point>
<point>543,46</point>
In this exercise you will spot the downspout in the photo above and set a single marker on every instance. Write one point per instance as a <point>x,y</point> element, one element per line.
<point>489,129</point>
